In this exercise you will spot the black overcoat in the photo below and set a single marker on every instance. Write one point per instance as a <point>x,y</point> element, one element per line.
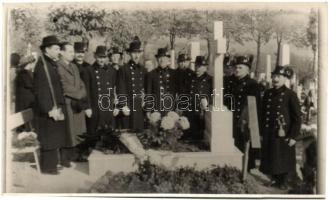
<point>101,83</point>
<point>130,89</point>
<point>24,90</point>
<point>277,156</point>
<point>162,83</point>
<point>51,134</point>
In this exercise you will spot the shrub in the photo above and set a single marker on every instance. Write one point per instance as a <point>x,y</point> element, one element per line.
<point>153,179</point>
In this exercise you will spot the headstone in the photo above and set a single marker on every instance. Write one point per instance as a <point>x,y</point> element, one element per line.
<point>299,91</point>
<point>252,75</point>
<point>261,77</point>
<point>268,69</point>
<point>172,59</point>
<point>284,58</point>
<point>194,51</point>
<point>219,124</point>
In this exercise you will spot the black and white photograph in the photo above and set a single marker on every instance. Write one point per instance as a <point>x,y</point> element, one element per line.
<point>165,98</point>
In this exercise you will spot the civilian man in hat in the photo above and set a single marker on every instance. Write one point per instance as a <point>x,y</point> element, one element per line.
<point>242,87</point>
<point>50,110</point>
<point>184,73</point>
<point>161,82</point>
<point>201,88</point>
<point>281,125</point>
<point>75,97</point>
<point>102,83</point>
<point>131,89</point>
<point>115,57</point>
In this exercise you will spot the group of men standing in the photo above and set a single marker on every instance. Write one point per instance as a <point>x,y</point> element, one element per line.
<point>73,97</point>
<point>279,117</point>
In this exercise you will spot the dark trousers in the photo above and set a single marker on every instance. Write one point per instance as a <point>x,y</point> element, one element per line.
<point>197,126</point>
<point>281,179</point>
<point>49,159</point>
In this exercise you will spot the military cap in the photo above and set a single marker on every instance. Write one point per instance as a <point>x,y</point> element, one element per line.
<point>135,45</point>
<point>101,51</point>
<point>49,40</point>
<point>245,60</point>
<point>79,47</point>
<point>162,52</point>
<point>228,60</point>
<point>183,57</point>
<point>283,70</point>
<point>200,60</point>
<point>114,50</point>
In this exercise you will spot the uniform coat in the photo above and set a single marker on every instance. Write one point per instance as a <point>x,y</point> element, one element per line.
<point>202,86</point>
<point>51,134</point>
<point>161,82</point>
<point>240,89</point>
<point>228,84</point>
<point>24,90</point>
<point>184,80</point>
<point>102,83</point>
<point>131,81</point>
<point>74,92</point>
<point>277,156</point>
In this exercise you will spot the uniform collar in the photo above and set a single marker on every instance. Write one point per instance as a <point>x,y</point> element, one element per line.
<point>133,64</point>
<point>281,89</point>
<point>202,76</point>
<point>96,66</point>
<point>162,70</point>
<point>78,64</point>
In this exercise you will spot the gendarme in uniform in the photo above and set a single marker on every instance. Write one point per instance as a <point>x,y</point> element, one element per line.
<point>281,122</point>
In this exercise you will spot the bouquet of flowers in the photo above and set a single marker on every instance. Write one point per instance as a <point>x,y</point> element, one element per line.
<point>165,131</point>
<point>25,139</point>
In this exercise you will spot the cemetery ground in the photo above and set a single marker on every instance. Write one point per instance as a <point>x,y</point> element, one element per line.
<point>26,179</point>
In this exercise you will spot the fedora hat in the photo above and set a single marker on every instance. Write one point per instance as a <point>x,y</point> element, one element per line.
<point>49,40</point>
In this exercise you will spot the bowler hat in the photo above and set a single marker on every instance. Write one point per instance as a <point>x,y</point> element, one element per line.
<point>135,45</point>
<point>183,57</point>
<point>200,61</point>
<point>114,50</point>
<point>79,47</point>
<point>49,40</point>
<point>162,52</point>
<point>245,60</point>
<point>283,70</point>
<point>101,51</point>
